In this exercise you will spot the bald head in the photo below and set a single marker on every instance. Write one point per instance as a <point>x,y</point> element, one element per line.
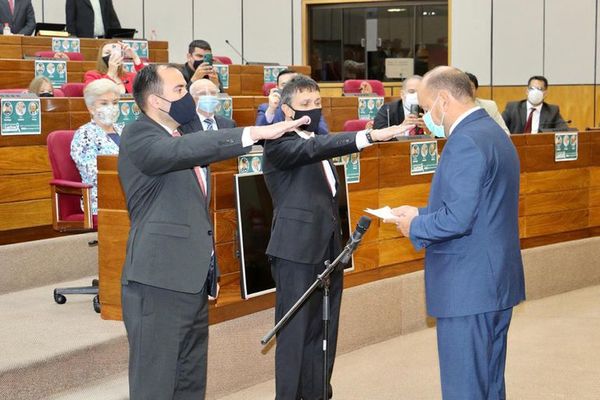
<point>449,79</point>
<point>203,87</point>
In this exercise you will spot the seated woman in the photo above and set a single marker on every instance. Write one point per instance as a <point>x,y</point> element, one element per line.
<point>100,136</point>
<point>41,87</point>
<point>109,65</point>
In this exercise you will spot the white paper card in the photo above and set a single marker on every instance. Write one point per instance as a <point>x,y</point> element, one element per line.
<point>383,213</point>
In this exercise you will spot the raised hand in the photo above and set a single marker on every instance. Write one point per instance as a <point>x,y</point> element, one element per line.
<point>274,131</point>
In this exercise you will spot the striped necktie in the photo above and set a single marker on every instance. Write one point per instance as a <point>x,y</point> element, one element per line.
<point>209,124</point>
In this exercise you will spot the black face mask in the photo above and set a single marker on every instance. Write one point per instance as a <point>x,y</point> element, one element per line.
<point>105,59</point>
<point>46,94</point>
<point>182,110</point>
<point>315,118</point>
<point>197,63</point>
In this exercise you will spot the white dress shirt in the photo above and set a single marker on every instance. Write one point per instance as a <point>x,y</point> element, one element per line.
<point>535,121</point>
<point>462,116</point>
<point>205,125</point>
<point>98,23</point>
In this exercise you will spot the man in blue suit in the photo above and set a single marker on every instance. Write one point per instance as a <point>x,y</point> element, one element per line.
<point>473,266</point>
<point>270,113</point>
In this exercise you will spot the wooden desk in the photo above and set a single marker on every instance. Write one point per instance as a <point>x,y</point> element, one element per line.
<point>247,80</point>
<point>559,201</point>
<point>22,46</point>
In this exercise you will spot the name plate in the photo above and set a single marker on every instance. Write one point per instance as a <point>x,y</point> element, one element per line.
<point>423,157</point>
<point>128,112</point>
<point>250,164</point>
<point>270,72</point>
<point>566,146</point>
<point>20,116</point>
<point>223,71</point>
<point>70,45</point>
<point>351,163</point>
<point>225,107</point>
<point>368,106</point>
<point>140,47</point>
<point>55,70</point>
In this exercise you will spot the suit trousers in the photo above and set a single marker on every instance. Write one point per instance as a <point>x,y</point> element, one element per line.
<point>299,351</point>
<point>472,355</point>
<point>168,342</point>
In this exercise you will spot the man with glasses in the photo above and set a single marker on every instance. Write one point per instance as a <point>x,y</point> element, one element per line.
<point>533,115</point>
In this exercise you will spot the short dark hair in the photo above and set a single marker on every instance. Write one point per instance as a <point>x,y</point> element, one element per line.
<point>299,83</point>
<point>538,78</point>
<point>147,82</point>
<point>451,79</point>
<point>285,72</point>
<point>200,44</point>
<point>473,79</point>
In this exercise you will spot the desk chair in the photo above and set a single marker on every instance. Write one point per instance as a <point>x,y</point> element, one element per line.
<point>223,60</point>
<point>67,191</point>
<point>266,88</point>
<point>355,125</point>
<point>50,54</point>
<point>352,86</point>
<point>73,89</point>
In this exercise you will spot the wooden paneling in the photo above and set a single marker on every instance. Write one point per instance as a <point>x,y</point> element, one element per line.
<point>23,160</point>
<point>547,224</point>
<point>20,188</point>
<point>25,214</point>
<point>546,203</point>
<point>554,181</point>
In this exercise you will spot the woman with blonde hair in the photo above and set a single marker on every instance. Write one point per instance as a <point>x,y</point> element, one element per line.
<point>41,87</point>
<point>109,65</point>
<point>100,136</point>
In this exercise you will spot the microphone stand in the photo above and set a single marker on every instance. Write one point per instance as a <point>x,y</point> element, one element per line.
<point>322,281</point>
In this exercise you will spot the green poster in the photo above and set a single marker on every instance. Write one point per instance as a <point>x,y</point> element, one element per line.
<point>368,106</point>
<point>223,72</point>
<point>225,107</point>
<point>55,70</point>
<point>70,45</point>
<point>20,116</point>
<point>140,47</point>
<point>270,72</point>
<point>128,112</point>
<point>128,67</point>
<point>351,163</point>
<point>423,157</point>
<point>566,146</point>
<point>250,164</point>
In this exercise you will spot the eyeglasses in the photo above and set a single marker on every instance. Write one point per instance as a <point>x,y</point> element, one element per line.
<point>536,88</point>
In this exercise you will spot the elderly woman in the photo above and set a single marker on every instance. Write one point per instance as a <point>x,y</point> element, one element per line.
<point>109,65</point>
<point>41,87</point>
<point>100,136</point>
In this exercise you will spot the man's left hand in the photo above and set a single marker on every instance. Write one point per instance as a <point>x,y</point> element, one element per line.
<point>404,216</point>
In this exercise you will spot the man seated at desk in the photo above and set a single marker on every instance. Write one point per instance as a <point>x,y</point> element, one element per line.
<point>199,63</point>
<point>489,106</point>
<point>406,109</point>
<point>205,94</point>
<point>269,113</point>
<point>533,114</point>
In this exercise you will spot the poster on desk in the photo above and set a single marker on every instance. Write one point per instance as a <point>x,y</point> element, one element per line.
<point>423,157</point>
<point>351,163</point>
<point>140,47</point>
<point>20,116</point>
<point>128,66</point>
<point>368,106</point>
<point>270,72</point>
<point>225,107</point>
<point>223,71</point>
<point>250,164</point>
<point>55,70</point>
<point>128,112</point>
<point>566,145</point>
<point>70,45</point>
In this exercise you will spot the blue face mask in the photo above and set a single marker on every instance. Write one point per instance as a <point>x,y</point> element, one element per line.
<point>435,129</point>
<point>208,104</point>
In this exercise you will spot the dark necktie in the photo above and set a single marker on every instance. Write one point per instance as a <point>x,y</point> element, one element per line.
<point>115,138</point>
<point>529,121</point>
<point>11,5</point>
<point>209,124</point>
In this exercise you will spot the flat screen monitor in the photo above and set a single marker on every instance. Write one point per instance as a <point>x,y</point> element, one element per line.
<point>255,213</point>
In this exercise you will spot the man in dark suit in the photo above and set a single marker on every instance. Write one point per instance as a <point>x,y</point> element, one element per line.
<point>470,230</point>
<point>169,270</point>
<point>269,113</point>
<point>305,233</point>
<point>196,67</point>
<point>19,16</point>
<point>205,92</point>
<point>533,114</point>
<point>399,111</point>
<point>91,18</point>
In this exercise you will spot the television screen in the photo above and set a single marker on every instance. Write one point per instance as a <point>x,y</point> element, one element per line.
<point>255,213</point>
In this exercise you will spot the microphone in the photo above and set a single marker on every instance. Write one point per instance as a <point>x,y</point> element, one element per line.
<point>236,51</point>
<point>361,227</point>
<point>549,127</point>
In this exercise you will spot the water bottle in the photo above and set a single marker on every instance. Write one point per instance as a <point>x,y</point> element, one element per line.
<point>6,30</point>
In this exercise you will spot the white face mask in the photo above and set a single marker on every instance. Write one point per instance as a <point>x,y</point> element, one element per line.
<point>535,96</point>
<point>410,99</point>
<point>107,115</point>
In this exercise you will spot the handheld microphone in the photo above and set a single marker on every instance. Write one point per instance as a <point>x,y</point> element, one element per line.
<point>361,227</point>
<point>236,51</point>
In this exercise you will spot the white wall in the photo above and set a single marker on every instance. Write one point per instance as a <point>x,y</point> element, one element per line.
<point>268,30</point>
<point>555,38</point>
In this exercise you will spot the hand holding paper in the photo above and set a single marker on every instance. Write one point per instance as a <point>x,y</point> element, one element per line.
<point>401,216</point>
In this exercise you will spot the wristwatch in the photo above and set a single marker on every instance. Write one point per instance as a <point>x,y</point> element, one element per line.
<point>368,135</point>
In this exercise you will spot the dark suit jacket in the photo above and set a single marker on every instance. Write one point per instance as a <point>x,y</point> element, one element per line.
<point>396,111</point>
<point>196,124</point>
<point>261,119</point>
<point>470,225</point>
<point>305,213</point>
<point>515,116</point>
<point>80,17</point>
<point>22,21</point>
<point>171,236</point>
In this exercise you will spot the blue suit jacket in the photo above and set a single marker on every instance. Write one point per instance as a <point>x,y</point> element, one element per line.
<point>261,119</point>
<point>470,226</point>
